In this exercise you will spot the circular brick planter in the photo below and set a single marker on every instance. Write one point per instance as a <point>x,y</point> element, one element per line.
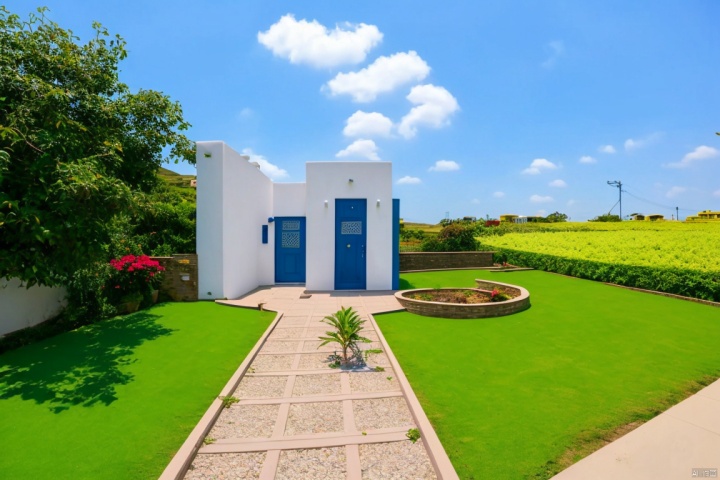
<point>468,310</point>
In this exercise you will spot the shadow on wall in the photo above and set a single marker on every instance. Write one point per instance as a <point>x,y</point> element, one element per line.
<point>79,368</point>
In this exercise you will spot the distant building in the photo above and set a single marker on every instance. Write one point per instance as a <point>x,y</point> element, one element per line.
<point>508,217</point>
<point>705,215</point>
<point>655,217</point>
<point>193,183</point>
<point>637,216</point>
<point>520,218</point>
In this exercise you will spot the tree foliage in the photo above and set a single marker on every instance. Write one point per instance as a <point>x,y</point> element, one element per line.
<point>557,217</point>
<point>455,237</point>
<point>76,146</point>
<point>606,218</point>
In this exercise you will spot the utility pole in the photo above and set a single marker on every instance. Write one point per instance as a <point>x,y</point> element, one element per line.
<point>677,214</point>
<point>618,184</point>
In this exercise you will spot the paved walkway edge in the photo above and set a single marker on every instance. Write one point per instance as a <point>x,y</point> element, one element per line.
<point>178,466</point>
<point>440,461</point>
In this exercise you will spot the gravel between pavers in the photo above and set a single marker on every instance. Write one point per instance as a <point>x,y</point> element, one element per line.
<point>315,361</point>
<point>374,381</point>
<point>316,385</point>
<point>319,417</point>
<point>374,359</point>
<point>280,347</point>
<point>314,464</point>
<point>271,363</point>
<point>381,413</point>
<point>230,466</point>
<point>285,333</point>
<point>314,346</point>
<point>396,461</point>
<point>245,421</point>
<point>254,387</point>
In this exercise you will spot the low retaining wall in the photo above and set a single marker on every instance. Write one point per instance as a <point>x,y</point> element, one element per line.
<point>468,310</point>
<point>411,261</point>
<point>180,282</point>
<point>22,307</point>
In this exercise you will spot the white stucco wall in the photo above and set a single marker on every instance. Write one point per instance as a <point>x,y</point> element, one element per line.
<point>289,199</point>
<point>234,201</point>
<point>329,181</point>
<point>22,307</point>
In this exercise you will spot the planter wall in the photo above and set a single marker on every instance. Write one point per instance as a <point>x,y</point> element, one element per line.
<point>467,310</point>
<point>413,261</point>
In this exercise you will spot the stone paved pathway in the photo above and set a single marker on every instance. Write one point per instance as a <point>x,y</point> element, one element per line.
<point>297,418</point>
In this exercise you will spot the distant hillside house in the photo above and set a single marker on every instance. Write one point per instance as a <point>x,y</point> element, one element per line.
<point>193,183</point>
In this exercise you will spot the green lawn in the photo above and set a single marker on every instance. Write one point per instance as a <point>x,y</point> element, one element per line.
<point>520,396</point>
<point>116,400</point>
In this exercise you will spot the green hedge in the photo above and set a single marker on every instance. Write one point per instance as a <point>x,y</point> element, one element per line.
<point>689,283</point>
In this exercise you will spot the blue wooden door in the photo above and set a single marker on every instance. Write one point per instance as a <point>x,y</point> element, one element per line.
<point>290,249</point>
<point>350,244</point>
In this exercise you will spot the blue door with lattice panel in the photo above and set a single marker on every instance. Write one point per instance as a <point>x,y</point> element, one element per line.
<point>289,249</point>
<point>350,244</point>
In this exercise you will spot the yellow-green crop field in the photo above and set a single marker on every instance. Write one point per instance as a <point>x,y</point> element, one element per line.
<point>671,257</point>
<point>692,246</point>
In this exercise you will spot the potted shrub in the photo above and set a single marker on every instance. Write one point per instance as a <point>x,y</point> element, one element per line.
<point>134,278</point>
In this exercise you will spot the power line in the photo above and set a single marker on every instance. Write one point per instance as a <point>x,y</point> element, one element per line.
<point>660,204</point>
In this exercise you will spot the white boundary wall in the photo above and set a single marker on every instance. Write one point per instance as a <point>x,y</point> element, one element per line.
<point>22,307</point>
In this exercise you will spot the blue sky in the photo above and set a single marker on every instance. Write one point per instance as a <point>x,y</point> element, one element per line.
<point>484,108</point>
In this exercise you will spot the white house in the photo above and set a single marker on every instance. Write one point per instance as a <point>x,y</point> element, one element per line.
<point>337,231</point>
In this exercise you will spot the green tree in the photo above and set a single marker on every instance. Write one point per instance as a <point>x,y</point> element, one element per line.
<point>455,237</point>
<point>556,217</point>
<point>606,218</point>
<point>75,145</point>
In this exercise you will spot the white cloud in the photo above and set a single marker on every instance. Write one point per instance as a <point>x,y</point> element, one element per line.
<point>558,183</point>
<point>272,171</point>
<point>716,193</point>
<point>555,50</point>
<point>408,180</point>
<point>434,107</point>
<point>587,159</point>
<point>313,44</point>
<point>675,191</point>
<point>607,149</point>
<point>364,124</point>
<point>539,165</point>
<point>499,194</point>
<point>541,199</point>
<point>444,166</point>
<point>635,143</point>
<point>360,149</point>
<point>385,74</point>
<point>703,152</point>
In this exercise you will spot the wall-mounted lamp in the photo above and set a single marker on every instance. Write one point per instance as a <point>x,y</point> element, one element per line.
<point>326,204</point>
<point>271,219</point>
<point>378,202</point>
<point>350,180</point>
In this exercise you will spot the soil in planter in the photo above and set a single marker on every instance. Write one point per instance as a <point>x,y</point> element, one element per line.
<point>455,296</point>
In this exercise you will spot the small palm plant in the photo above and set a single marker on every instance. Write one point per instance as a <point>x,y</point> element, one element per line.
<point>347,325</point>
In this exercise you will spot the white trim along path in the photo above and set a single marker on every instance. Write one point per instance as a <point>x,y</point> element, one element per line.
<point>298,418</point>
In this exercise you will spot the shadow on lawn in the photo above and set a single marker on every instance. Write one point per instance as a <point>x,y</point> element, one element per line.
<point>78,368</point>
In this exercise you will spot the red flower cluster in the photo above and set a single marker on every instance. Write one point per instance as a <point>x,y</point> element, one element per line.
<point>134,271</point>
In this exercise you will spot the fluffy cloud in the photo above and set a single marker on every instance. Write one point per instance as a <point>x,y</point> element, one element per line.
<point>360,149</point>
<point>408,180</point>
<point>587,159</point>
<point>363,124</point>
<point>269,169</point>
<point>703,152</point>
<point>434,107</point>
<point>444,166</point>
<point>541,199</point>
<point>539,165</point>
<point>499,194</point>
<point>313,44</point>
<point>607,149</point>
<point>555,49</point>
<point>558,183</point>
<point>384,75</point>
<point>675,191</point>
<point>635,143</point>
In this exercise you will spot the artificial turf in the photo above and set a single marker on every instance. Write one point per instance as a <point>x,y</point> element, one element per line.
<point>523,396</point>
<point>115,400</point>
